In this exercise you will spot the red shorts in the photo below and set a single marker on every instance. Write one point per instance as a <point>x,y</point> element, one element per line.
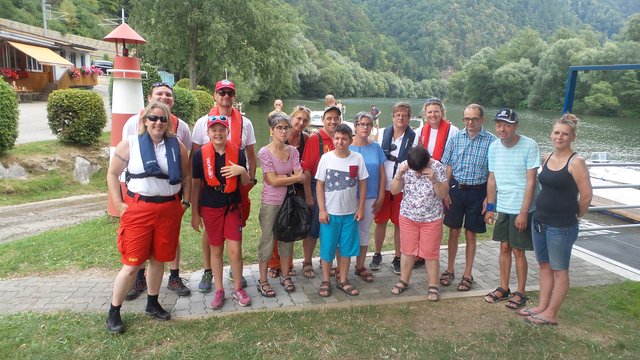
<point>390,209</point>
<point>420,238</point>
<point>149,229</point>
<point>220,226</point>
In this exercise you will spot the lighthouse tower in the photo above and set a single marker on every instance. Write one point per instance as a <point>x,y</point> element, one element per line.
<point>126,98</point>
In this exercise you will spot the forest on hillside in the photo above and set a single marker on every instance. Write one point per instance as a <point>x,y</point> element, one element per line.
<point>507,52</point>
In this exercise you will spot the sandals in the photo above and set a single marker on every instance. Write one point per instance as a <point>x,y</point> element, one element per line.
<point>348,289</point>
<point>466,283</point>
<point>264,288</point>
<point>364,274</point>
<point>399,287</point>
<point>287,284</point>
<point>536,319</point>
<point>433,294</point>
<point>325,289</point>
<point>493,298</point>
<point>307,270</point>
<point>513,304</point>
<point>526,312</point>
<point>274,273</point>
<point>446,278</point>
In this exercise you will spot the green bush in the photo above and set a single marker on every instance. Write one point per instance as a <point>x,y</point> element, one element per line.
<point>76,116</point>
<point>184,104</point>
<point>204,103</point>
<point>8,117</point>
<point>182,83</point>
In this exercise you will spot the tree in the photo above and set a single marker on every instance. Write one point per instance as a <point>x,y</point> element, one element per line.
<point>631,31</point>
<point>512,82</point>
<point>601,100</point>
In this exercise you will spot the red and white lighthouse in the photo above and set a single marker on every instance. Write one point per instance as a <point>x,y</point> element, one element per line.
<point>126,97</point>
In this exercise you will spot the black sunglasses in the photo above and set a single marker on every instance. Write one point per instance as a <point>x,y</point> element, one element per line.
<point>154,118</point>
<point>161,84</point>
<point>222,93</point>
<point>433,100</point>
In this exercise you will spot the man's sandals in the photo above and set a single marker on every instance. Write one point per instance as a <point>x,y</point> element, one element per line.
<point>516,304</point>
<point>399,287</point>
<point>307,270</point>
<point>347,288</point>
<point>497,295</point>
<point>325,289</point>
<point>264,288</point>
<point>364,274</point>
<point>433,294</point>
<point>446,278</point>
<point>466,283</point>
<point>287,284</point>
<point>274,273</point>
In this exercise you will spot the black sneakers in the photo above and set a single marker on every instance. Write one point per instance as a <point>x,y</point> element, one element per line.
<point>178,286</point>
<point>114,323</point>
<point>396,265</point>
<point>157,312</point>
<point>138,288</point>
<point>376,260</point>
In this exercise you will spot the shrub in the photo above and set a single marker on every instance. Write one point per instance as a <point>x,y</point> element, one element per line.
<point>8,117</point>
<point>76,116</point>
<point>184,104</point>
<point>204,103</point>
<point>182,83</point>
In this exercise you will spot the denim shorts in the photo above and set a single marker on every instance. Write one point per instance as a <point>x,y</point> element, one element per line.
<point>553,244</point>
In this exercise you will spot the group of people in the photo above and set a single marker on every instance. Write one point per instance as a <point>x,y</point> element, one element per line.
<point>418,179</point>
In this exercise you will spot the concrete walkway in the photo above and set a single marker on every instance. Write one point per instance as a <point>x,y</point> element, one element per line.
<point>91,290</point>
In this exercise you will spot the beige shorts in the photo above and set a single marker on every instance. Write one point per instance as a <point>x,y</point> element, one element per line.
<point>267,218</point>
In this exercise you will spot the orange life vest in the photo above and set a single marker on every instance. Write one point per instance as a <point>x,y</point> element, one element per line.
<point>231,155</point>
<point>236,124</point>
<point>441,138</point>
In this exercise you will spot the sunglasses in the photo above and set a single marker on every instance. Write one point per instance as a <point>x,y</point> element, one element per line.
<point>433,100</point>
<point>222,93</point>
<point>154,118</point>
<point>161,84</point>
<point>303,108</point>
<point>221,117</point>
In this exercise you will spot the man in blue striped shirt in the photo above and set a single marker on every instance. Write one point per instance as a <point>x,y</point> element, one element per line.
<point>465,157</point>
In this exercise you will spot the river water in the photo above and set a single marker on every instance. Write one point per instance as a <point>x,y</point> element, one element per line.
<point>618,136</point>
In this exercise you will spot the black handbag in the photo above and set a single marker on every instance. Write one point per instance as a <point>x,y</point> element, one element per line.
<point>294,218</point>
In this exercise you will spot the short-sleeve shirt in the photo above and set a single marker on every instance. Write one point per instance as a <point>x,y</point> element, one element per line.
<point>274,195</point>
<point>340,177</point>
<point>200,136</point>
<point>388,164</point>
<point>183,133</point>
<point>209,196</point>
<point>509,166</point>
<point>420,203</point>
<point>311,154</point>
<point>468,157</point>
<point>373,158</point>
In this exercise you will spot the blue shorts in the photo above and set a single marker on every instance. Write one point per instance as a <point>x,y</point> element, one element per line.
<point>466,204</point>
<point>342,230</point>
<point>553,245</point>
<point>314,230</point>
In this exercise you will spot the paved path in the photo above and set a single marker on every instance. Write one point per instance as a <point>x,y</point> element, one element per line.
<point>91,290</point>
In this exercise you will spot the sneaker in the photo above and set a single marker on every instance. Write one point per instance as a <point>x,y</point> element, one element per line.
<point>376,260</point>
<point>242,297</point>
<point>218,299</point>
<point>396,265</point>
<point>114,323</point>
<point>138,288</point>
<point>419,262</point>
<point>157,312</point>
<point>178,286</point>
<point>205,282</point>
<point>244,281</point>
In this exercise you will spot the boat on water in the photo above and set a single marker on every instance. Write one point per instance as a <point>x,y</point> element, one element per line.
<point>316,122</point>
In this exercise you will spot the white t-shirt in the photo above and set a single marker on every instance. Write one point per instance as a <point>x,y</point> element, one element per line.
<point>200,136</point>
<point>183,133</point>
<point>341,176</point>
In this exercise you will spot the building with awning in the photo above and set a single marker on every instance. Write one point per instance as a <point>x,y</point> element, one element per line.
<point>36,62</point>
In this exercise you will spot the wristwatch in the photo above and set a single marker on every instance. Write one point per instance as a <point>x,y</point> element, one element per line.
<point>254,181</point>
<point>188,204</point>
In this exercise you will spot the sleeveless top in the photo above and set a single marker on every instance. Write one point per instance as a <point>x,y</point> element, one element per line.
<point>149,186</point>
<point>557,203</point>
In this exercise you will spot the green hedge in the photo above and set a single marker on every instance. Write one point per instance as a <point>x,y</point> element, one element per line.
<point>204,103</point>
<point>184,104</point>
<point>8,117</point>
<point>182,83</point>
<point>76,116</point>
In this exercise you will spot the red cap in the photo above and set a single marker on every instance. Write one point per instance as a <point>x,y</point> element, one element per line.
<point>225,84</point>
<point>224,120</point>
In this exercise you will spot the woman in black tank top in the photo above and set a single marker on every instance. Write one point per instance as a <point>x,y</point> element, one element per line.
<point>565,197</point>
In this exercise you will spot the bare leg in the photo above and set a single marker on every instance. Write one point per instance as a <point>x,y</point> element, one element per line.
<point>470,252</point>
<point>175,264</point>
<point>206,250</point>
<point>285,264</point>
<point>343,267</point>
<point>326,270</point>
<point>521,268</point>
<point>406,266</point>
<point>546,287</point>
<point>360,258</point>
<point>154,276</point>
<point>308,246</point>
<point>234,250</point>
<point>379,234</point>
<point>216,265</point>
<point>396,241</point>
<point>123,282</point>
<point>560,290</point>
<point>433,271</point>
<point>452,249</point>
<point>505,264</point>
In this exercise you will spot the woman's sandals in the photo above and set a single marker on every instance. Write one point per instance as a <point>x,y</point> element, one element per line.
<point>492,297</point>
<point>364,274</point>
<point>347,288</point>
<point>433,294</point>
<point>325,289</point>
<point>466,283</point>
<point>446,278</point>
<point>287,284</point>
<point>399,287</point>
<point>307,270</point>
<point>264,288</point>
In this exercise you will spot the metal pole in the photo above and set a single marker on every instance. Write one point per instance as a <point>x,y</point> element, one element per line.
<point>44,16</point>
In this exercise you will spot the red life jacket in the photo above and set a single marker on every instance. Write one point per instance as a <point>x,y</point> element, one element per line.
<point>236,124</point>
<point>441,139</point>
<point>174,120</point>
<point>231,154</point>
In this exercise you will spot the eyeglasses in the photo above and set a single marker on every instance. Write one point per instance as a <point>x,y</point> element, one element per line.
<point>365,125</point>
<point>282,128</point>
<point>161,84</point>
<point>432,101</point>
<point>473,119</point>
<point>222,93</point>
<point>154,118</point>
<point>221,117</point>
